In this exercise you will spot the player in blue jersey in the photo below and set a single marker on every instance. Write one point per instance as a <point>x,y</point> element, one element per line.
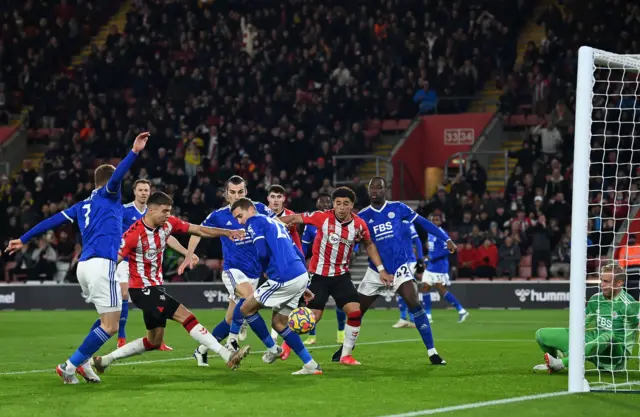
<point>99,219</point>
<point>385,221</point>
<point>308,236</point>
<point>437,273</point>
<point>241,266</point>
<point>406,318</point>
<point>131,213</point>
<point>287,281</point>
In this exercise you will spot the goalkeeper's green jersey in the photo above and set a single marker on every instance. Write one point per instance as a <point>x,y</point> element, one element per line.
<point>620,316</point>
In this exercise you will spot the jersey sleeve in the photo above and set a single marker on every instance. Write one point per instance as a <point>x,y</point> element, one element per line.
<point>211,220</point>
<point>363,228</point>
<point>405,212</point>
<point>177,225</point>
<point>128,243</point>
<point>72,212</point>
<point>255,229</point>
<point>263,209</point>
<point>315,219</point>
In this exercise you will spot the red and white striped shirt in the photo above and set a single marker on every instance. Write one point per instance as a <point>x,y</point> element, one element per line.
<point>334,242</point>
<point>144,246</point>
<point>292,228</point>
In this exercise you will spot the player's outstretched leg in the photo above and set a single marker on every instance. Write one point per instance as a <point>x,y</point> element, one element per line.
<point>403,321</point>
<point>554,342</point>
<point>342,321</point>
<point>310,367</point>
<point>259,327</point>
<point>408,291</point>
<point>451,299</point>
<point>137,347</point>
<point>220,332</point>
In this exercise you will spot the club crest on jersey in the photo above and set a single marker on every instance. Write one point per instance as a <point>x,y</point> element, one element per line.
<point>614,315</point>
<point>151,255</point>
<point>391,214</point>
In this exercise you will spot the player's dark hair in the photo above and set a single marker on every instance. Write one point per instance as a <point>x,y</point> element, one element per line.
<point>242,203</point>
<point>141,181</point>
<point>277,189</point>
<point>616,270</point>
<point>344,192</point>
<point>382,180</point>
<point>235,180</point>
<point>159,199</point>
<point>102,174</point>
<point>324,195</point>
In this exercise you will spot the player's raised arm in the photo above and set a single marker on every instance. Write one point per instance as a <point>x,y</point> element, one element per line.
<point>68,215</point>
<point>113,185</point>
<point>174,244</point>
<point>432,229</point>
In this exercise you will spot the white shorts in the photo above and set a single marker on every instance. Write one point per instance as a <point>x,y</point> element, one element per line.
<point>432,278</point>
<point>97,278</point>
<point>282,297</point>
<point>372,285</point>
<point>232,277</point>
<point>122,272</point>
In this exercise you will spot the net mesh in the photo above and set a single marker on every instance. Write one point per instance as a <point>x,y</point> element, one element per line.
<point>611,330</point>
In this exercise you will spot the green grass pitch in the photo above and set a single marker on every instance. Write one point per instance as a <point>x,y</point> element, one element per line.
<point>490,358</point>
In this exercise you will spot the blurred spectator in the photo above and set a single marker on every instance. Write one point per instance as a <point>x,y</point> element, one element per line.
<point>509,255</point>
<point>45,258</point>
<point>426,98</point>
<point>486,262</point>
<point>466,260</point>
<point>540,244</point>
<point>561,258</point>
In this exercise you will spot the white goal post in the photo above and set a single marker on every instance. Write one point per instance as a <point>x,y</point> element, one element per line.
<point>606,84</point>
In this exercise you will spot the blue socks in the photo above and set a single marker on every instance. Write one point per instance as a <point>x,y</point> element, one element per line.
<point>426,302</point>
<point>124,315</point>
<point>312,332</point>
<point>453,301</point>
<point>422,324</point>
<point>96,324</point>
<point>295,343</point>
<point>259,327</point>
<point>342,320</point>
<point>237,319</point>
<point>404,310</point>
<point>221,331</point>
<point>91,344</point>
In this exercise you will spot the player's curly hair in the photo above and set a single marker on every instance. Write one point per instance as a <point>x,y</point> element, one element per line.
<point>616,270</point>
<point>344,192</point>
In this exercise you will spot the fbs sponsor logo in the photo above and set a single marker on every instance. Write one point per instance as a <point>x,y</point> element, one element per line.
<point>8,298</point>
<point>541,296</point>
<point>213,296</point>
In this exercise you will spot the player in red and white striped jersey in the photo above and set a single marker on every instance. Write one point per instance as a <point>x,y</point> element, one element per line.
<point>275,198</point>
<point>338,232</point>
<point>144,245</point>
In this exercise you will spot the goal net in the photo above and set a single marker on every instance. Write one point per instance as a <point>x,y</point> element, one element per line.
<point>603,348</point>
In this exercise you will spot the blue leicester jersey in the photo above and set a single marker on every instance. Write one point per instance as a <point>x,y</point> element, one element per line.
<point>409,234</point>
<point>99,219</point>
<point>438,255</point>
<point>308,236</point>
<point>130,215</point>
<point>390,233</point>
<point>274,244</point>
<point>237,254</point>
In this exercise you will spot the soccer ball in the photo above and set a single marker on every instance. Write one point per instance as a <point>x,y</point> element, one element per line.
<point>302,320</point>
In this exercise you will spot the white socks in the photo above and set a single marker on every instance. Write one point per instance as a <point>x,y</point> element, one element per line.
<point>130,349</point>
<point>274,335</point>
<point>350,336</point>
<point>202,335</point>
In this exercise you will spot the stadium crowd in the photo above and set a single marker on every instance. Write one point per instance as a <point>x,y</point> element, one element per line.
<point>230,88</point>
<point>527,231</point>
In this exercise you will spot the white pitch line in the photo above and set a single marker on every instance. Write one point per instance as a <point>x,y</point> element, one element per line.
<point>380,342</point>
<point>480,404</point>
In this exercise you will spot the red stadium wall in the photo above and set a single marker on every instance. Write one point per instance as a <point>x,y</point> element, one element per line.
<point>430,144</point>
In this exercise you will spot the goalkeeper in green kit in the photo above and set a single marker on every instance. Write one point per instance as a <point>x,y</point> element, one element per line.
<point>611,328</point>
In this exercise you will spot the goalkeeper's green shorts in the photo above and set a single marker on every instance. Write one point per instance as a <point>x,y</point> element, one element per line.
<point>602,350</point>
